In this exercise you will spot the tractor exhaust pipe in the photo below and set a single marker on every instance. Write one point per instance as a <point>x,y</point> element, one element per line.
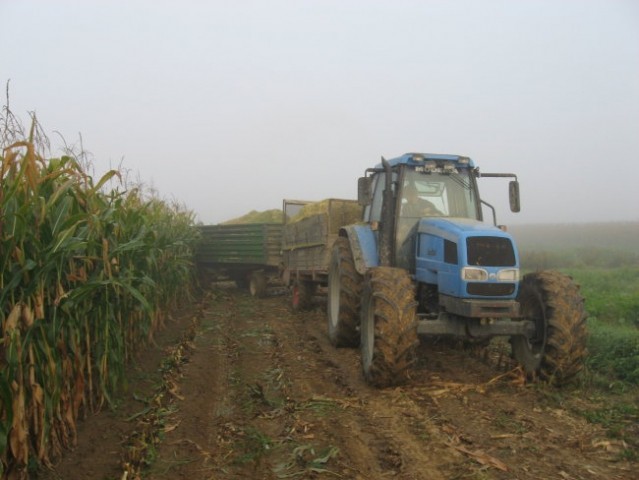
<point>386,237</point>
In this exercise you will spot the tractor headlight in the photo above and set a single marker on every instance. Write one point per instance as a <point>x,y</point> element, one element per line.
<point>474,274</point>
<point>508,275</point>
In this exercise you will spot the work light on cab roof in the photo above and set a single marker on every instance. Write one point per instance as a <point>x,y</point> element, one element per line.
<point>431,161</point>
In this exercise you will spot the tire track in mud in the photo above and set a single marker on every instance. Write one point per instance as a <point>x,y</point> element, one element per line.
<point>266,396</point>
<point>395,434</point>
<point>496,419</point>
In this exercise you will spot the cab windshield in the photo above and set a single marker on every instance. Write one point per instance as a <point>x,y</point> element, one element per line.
<point>426,195</point>
<point>437,195</point>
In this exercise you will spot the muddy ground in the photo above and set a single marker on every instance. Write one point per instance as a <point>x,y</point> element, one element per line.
<point>244,388</point>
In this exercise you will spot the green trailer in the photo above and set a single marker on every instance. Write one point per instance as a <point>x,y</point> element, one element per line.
<point>249,254</point>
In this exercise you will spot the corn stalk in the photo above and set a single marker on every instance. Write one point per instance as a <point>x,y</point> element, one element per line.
<point>86,276</point>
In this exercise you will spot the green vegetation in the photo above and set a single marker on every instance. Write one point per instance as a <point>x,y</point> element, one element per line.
<point>612,302</point>
<point>614,352</point>
<point>86,277</point>
<point>610,381</point>
<point>306,461</point>
<point>320,406</point>
<point>604,260</point>
<point>253,446</point>
<point>612,295</point>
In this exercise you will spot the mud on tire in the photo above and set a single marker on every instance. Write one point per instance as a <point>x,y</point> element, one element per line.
<point>388,326</point>
<point>558,349</point>
<point>344,290</point>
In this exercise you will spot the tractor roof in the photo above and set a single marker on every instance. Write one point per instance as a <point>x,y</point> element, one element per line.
<point>416,159</point>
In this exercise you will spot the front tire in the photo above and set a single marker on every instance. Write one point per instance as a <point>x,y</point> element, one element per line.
<point>557,351</point>
<point>388,327</point>
<point>344,290</point>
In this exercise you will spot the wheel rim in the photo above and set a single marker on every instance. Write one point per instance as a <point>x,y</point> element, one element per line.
<point>533,310</point>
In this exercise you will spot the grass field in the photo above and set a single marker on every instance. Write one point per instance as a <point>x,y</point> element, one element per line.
<point>604,260</point>
<point>612,294</point>
<point>612,302</point>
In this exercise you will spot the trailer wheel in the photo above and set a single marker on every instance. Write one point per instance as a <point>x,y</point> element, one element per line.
<point>557,350</point>
<point>241,281</point>
<point>344,290</point>
<point>257,284</point>
<point>302,294</point>
<point>389,327</point>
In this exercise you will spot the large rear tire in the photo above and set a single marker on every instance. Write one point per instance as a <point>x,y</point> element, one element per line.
<point>388,327</point>
<point>344,290</point>
<point>557,350</point>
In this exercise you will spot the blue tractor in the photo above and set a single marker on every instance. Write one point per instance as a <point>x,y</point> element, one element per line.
<point>423,262</point>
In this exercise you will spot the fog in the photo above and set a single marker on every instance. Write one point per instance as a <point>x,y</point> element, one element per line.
<point>227,107</point>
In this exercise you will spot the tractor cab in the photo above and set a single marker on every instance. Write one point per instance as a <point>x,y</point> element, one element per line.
<point>423,186</point>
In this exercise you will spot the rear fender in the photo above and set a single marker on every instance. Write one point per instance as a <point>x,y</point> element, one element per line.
<point>363,241</point>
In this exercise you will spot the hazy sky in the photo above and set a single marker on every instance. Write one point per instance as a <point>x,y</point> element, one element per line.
<point>230,106</point>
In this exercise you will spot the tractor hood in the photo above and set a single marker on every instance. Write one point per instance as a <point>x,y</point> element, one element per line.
<point>454,228</point>
<point>467,258</point>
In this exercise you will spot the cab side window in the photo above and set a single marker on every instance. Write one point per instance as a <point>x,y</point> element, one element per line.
<point>373,212</point>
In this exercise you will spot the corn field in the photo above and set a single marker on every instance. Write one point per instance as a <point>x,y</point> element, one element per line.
<point>87,277</point>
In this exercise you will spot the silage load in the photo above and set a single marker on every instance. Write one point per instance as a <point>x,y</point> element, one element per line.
<point>340,212</point>
<point>267,216</point>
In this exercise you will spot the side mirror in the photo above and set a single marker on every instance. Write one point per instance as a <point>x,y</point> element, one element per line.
<point>364,191</point>
<point>513,196</point>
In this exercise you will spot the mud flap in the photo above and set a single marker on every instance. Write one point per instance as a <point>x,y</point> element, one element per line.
<point>363,241</point>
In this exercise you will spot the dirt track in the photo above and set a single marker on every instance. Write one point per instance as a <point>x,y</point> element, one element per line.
<point>261,394</point>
